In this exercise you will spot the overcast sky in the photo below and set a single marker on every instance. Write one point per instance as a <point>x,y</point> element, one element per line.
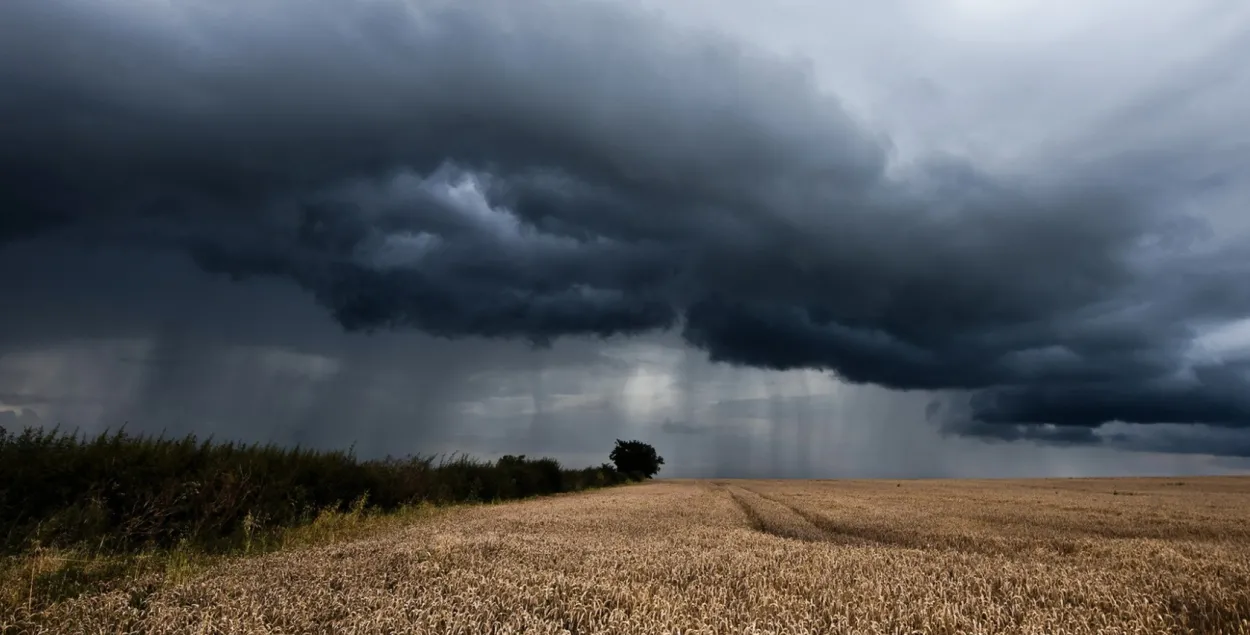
<point>785,238</point>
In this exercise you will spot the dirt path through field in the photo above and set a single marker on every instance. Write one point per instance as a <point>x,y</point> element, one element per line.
<point>1142,556</point>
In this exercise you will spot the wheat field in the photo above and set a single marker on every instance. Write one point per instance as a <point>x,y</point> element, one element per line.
<point>686,557</point>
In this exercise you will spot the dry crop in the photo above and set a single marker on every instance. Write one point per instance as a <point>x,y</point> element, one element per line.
<point>1044,556</point>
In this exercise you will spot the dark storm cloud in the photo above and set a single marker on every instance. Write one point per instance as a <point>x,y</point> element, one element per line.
<point>1201,441</point>
<point>18,399</point>
<point>1159,438</point>
<point>541,169</point>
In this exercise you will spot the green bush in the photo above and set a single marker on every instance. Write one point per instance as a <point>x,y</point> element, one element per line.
<point>125,492</point>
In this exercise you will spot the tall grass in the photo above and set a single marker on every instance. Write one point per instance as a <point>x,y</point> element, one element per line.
<point>124,492</point>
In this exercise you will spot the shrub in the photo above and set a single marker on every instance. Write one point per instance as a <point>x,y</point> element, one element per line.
<point>119,491</point>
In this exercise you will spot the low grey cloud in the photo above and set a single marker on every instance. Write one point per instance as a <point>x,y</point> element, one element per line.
<point>539,171</point>
<point>678,427</point>
<point>17,420</point>
<point>264,363</point>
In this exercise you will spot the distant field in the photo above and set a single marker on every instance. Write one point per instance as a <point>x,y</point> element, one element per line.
<point>1041,556</point>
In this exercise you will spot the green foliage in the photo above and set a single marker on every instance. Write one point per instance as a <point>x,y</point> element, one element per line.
<point>636,459</point>
<point>123,493</point>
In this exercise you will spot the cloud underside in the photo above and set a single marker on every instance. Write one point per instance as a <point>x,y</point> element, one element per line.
<point>546,170</point>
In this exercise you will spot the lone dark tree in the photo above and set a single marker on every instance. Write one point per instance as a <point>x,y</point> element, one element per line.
<point>636,459</point>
